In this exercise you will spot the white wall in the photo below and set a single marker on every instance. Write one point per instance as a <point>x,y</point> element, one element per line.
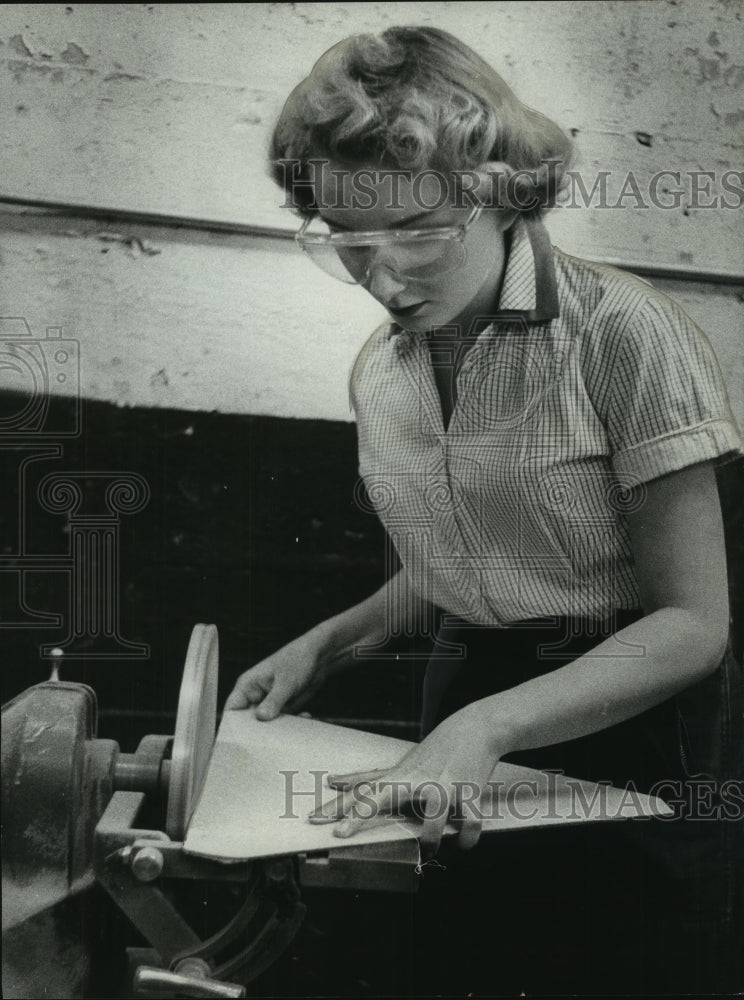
<point>166,109</point>
<point>192,321</point>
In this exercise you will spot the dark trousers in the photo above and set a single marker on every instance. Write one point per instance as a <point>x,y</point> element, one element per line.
<point>639,906</point>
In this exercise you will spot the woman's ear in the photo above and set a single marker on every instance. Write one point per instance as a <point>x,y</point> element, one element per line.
<point>495,189</point>
<point>494,181</point>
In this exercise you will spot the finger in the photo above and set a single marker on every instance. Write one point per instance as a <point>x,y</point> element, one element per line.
<point>345,782</point>
<point>368,808</point>
<point>469,827</point>
<point>273,703</point>
<point>470,831</point>
<point>339,807</point>
<point>235,700</point>
<point>352,825</point>
<point>356,777</point>
<point>467,815</point>
<point>330,811</point>
<point>435,812</point>
<point>247,692</point>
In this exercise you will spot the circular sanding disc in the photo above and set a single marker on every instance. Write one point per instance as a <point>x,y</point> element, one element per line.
<point>196,722</point>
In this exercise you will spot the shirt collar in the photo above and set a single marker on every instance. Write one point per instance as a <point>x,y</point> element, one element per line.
<point>529,289</point>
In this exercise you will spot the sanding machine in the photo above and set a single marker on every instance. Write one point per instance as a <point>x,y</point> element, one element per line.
<point>97,889</point>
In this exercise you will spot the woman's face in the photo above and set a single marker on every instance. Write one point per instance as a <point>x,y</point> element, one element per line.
<point>357,199</point>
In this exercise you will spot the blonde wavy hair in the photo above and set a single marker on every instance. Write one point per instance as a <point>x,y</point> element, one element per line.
<point>414,98</point>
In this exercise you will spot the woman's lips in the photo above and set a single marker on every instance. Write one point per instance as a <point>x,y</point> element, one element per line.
<point>408,311</point>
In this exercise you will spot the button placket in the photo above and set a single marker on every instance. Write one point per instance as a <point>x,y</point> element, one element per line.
<point>455,449</point>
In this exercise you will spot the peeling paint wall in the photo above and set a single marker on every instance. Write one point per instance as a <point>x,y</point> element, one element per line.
<point>166,109</point>
<point>189,320</point>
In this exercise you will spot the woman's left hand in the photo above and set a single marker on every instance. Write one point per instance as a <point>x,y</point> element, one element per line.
<point>441,779</point>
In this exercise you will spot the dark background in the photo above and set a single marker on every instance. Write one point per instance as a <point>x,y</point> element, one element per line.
<point>252,525</point>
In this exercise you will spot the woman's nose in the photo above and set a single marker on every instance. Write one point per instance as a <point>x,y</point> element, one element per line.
<point>382,282</point>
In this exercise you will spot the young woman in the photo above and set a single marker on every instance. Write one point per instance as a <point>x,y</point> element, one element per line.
<point>538,435</point>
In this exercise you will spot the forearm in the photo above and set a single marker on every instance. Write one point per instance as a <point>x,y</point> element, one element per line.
<point>630,672</point>
<point>393,609</point>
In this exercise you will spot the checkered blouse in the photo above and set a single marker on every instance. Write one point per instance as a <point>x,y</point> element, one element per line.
<point>586,384</point>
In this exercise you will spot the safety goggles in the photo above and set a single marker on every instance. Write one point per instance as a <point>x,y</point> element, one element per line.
<point>412,254</point>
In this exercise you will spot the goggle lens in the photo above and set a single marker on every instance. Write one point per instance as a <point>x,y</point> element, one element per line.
<point>418,260</point>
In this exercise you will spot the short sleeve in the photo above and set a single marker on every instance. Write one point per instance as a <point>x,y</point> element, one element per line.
<point>382,332</point>
<point>666,402</point>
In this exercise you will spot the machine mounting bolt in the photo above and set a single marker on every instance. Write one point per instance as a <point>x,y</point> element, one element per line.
<point>193,966</point>
<point>147,864</point>
<point>277,872</point>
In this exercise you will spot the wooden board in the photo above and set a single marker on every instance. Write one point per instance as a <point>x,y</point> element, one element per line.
<point>264,779</point>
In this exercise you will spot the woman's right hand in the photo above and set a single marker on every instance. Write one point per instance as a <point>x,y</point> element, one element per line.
<point>289,675</point>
